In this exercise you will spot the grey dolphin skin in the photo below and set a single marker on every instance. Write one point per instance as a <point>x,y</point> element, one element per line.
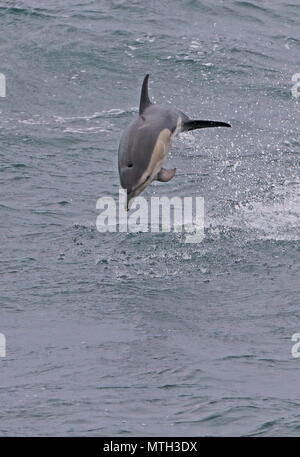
<point>146,140</point>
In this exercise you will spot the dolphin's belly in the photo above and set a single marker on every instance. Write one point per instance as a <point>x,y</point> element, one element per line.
<point>178,127</point>
<point>164,142</point>
<point>159,155</point>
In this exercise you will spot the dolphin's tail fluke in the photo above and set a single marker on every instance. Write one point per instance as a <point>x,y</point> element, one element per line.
<point>199,124</point>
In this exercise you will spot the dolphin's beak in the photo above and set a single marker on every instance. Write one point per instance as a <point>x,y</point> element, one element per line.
<point>134,193</point>
<point>136,190</point>
<point>130,196</point>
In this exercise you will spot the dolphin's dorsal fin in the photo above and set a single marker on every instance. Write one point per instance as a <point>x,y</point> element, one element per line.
<point>144,100</point>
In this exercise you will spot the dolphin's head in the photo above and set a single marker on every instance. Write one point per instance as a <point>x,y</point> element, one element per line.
<point>142,151</point>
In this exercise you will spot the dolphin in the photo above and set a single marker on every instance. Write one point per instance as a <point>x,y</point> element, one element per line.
<point>145,142</point>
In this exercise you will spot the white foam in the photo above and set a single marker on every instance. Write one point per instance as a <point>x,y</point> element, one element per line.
<point>276,220</point>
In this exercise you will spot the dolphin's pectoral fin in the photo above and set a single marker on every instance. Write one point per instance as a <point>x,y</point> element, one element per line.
<point>199,124</point>
<point>166,175</point>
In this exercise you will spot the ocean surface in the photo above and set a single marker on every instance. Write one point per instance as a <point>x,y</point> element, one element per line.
<point>142,334</point>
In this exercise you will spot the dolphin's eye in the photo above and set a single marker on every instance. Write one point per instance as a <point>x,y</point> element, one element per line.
<point>130,165</point>
<point>148,177</point>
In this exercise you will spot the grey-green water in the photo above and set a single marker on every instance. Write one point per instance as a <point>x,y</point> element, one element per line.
<point>141,334</point>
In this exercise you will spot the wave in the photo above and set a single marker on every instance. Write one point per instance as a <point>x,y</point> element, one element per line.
<point>267,220</point>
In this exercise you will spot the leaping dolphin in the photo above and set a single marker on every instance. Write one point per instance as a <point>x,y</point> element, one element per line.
<point>146,140</point>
